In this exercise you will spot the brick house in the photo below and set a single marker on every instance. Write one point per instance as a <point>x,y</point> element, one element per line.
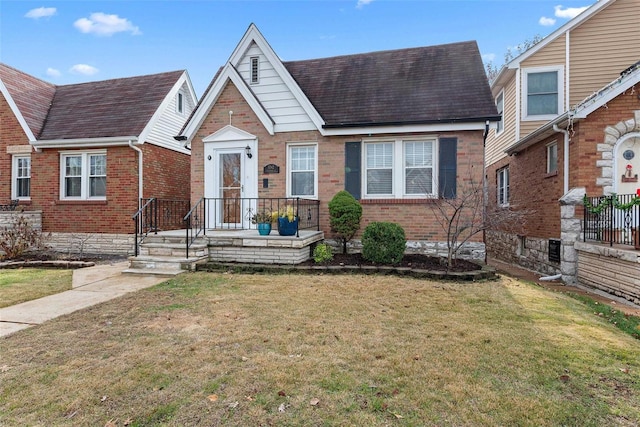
<point>398,129</point>
<point>84,155</point>
<point>540,152</point>
<point>604,159</point>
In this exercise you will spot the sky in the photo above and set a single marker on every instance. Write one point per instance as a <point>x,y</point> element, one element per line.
<point>74,41</point>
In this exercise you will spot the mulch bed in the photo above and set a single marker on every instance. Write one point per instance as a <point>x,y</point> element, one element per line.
<point>414,261</point>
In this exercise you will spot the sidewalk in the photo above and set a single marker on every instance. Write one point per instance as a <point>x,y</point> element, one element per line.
<point>90,286</point>
<point>520,273</point>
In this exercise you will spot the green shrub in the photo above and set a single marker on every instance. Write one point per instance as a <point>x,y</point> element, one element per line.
<point>383,242</point>
<point>322,253</point>
<point>345,213</point>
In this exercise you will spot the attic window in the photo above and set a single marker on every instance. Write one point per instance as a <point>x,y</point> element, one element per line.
<point>180,103</point>
<point>255,68</point>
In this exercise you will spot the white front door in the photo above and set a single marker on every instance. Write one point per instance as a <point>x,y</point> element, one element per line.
<point>230,185</point>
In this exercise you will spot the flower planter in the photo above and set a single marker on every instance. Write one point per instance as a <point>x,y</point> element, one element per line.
<point>286,228</point>
<point>264,228</point>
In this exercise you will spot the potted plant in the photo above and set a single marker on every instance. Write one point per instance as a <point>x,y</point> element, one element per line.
<point>263,220</point>
<point>287,221</point>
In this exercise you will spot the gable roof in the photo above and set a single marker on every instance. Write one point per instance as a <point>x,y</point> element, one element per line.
<point>108,108</point>
<point>369,92</point>
<point>628,78</point>
<point>28,96</point>
<point>433,84</point>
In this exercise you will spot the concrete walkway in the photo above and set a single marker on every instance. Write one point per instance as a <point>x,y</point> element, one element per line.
<point>90,286</point>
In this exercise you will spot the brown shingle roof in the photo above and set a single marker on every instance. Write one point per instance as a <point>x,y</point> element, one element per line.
<point>32,96</point>
<point>118,107</point>
<point>444,83</point>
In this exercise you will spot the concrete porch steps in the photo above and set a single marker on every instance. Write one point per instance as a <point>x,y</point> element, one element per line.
<point>166,256</point>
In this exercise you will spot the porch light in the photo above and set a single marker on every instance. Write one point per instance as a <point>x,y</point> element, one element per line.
<point>247,150</point>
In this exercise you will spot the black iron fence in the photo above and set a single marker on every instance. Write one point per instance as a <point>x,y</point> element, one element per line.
<point>247,213</point>
<point>157,215</point>
<point>613,219</point>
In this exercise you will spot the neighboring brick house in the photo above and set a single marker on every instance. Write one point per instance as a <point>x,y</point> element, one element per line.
<point>85,154</point>
<point>603,136</point>
<point>550,81</point>
<point>398,129</point>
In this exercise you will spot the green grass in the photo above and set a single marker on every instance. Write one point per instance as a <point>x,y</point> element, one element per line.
<point>22,285</point>
<point>625,322</point>
<point>293,350</point>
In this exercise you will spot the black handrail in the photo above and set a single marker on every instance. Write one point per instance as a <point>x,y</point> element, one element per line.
<point>194,223</point>
<point>144,220</point>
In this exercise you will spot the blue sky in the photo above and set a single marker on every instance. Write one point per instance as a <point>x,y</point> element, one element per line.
<point>66,41</point>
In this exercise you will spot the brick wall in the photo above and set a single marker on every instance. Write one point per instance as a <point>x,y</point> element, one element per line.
<point>112,215</point>
<point>166,173</point>
<point>414,215</point>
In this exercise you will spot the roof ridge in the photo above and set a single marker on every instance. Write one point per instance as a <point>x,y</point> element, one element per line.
<point>27,74</point>
<point>122,78</point>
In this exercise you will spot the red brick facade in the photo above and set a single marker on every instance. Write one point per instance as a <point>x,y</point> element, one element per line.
<point>414,216</point>
<point>11,134</point>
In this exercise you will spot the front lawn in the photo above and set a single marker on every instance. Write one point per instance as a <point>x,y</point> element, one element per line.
<point>257,350</point>
<point>26,284</point>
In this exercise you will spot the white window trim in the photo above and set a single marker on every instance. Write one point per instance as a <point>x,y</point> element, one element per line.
<point>85,173</point>
<point>14,176</point>
<point>289,169</point>
<point>398,168</point>
<point>500,95</point>
<point>525,90</point>
<point>257,80</point>
<point>549,158</point>
<point>504,203</point>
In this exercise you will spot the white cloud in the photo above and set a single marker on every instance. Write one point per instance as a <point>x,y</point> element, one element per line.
<point>488,57</point>
<point>83,69</point>
<point>52,72</point>
<point>102,24</point>
<point>546,22</point>
<point>569,12</point>
<point>41,12</point>
<point>362,3</point>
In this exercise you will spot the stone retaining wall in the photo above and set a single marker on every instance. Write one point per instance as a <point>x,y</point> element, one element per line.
<point>471,251</point>
<point>8,218</point>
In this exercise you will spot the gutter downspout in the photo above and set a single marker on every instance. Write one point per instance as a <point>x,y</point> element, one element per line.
<point>566,157</point>
<point>484,187</point>
<point>140,175</point>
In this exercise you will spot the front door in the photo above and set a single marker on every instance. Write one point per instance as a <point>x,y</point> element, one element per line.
<point>230,187</point>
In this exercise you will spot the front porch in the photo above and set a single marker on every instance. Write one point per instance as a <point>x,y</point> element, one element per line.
<point>165,252</point>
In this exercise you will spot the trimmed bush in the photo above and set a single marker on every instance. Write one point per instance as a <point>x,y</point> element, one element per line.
<point>322,253</point>
<point>345,213</point>
<point>383,242</point>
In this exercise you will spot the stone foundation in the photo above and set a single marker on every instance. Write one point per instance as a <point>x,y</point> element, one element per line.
<point>530,253</point>
<point>471,251</point>
<point>90,243</point>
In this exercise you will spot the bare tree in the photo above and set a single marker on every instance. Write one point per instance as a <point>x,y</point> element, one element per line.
<point>493,70</point>
<point>467,215</point>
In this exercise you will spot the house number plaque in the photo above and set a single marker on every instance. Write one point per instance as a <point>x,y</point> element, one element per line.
<point>271,168</point>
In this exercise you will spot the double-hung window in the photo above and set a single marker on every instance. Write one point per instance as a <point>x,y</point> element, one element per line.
<point>543,93</point>
<point>379,168</point>
<point>303,167</point>
<point>503,186</point>
<point>83,176</point>
<point>399,168</point>
<point>21,180</point>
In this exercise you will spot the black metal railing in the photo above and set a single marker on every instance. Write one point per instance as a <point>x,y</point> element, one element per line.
<point>238,214</point>
<point>157,214</point>
<point>613,219</point>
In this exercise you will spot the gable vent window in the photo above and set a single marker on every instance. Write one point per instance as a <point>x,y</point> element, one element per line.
<point>255,68</point>
<point>180,103</point>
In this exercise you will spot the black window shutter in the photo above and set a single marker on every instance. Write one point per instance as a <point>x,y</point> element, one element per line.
<point>352,174</point>
<point>447,164</point>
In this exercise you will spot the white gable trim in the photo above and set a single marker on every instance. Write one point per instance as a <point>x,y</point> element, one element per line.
<point>184,78</point>
<point>16,112</point>
<point>568,26</point>
<point>229,73</point>
<point>418,128</point>
<point>229,133</point>
<point>253,35</point>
